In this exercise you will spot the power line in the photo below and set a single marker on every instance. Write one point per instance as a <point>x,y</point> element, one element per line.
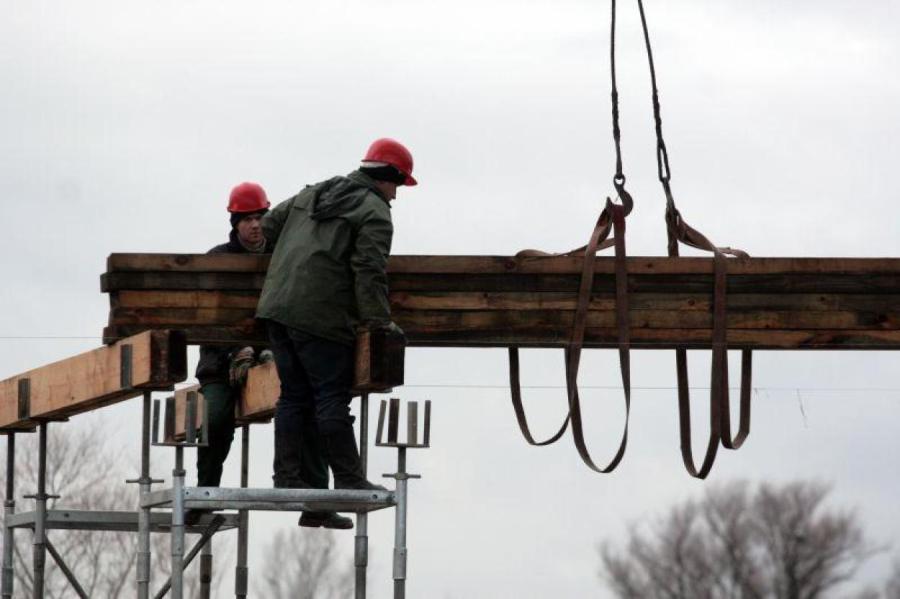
<point>51,337</point>
<point>655,388</point>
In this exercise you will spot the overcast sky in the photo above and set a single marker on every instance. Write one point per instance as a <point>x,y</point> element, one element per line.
<point>123,125</point>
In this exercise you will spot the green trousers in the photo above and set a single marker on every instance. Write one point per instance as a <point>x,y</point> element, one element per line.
<point>220,401</point>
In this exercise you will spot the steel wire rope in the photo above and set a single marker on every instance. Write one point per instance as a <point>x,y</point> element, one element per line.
<point>611,219</point>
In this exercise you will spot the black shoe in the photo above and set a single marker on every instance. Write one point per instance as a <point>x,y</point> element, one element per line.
<point>343,457</point>
<point>295,483</point>
<point>326,520</point>
<point>357,483</point>
<point>193,516</point>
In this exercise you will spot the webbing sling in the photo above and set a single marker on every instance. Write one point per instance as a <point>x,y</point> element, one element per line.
<point>679,231</point>
<point>611,219</point>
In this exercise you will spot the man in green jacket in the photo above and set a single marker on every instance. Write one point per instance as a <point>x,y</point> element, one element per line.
<point>326,278</point>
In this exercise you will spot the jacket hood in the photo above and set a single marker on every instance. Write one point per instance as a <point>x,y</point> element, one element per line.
<point>340,195</point>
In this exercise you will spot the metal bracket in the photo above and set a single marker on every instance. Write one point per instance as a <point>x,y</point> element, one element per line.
<point>191,439</point>
<point>39,496</point>
<point>412,425</point>
<point>24,399</point>
<point>125,366</point>
<point>131,481</point>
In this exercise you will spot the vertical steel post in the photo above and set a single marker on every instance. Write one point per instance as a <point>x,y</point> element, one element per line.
<point>9,508</point>
<point>400,527</point>
<point>39,551</point>
<point>240,569</point>
<point>206,566</point>
<point>178,524</point>
<point>361,548</point>
<point>143,555</point>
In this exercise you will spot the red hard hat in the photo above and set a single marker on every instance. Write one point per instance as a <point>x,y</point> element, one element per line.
<point>248,197</point>
<point>391,151</point>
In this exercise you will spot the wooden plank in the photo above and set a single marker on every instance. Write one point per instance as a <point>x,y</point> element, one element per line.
<point>94,378</point>
<point>508,264</point>
<point>180,409</point>
<point>156,317</point>
<point>257,403</point>
<point>594,337</point>
<point>495,300</point>
<point>223,262</point>
<point>416,320</point>
<point>187,299</point>
<point>464,301</point>
<point>187,281</point>
<point>519,282</point>
<point>260,393</point>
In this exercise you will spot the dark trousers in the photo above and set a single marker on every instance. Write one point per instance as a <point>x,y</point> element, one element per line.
<point>219,400</point>
<point>316,377</point>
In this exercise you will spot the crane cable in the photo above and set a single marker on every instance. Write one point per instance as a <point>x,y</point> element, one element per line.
<point>611,219</point>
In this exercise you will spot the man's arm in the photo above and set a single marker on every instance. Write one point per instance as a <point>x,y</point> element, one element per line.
<point>273,221</point>
<point>369,264</point>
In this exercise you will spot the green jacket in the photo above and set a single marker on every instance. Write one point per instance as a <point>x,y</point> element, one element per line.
<point>327,274</point>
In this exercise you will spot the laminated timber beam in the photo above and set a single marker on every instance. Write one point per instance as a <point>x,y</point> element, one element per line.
<point>257,403</point>
<point>152,360</point>
<point>441,301</point>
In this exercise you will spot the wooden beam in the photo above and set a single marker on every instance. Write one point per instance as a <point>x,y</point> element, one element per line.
<point>257,403</point>
<point>151,360</point>
<point>494,300</point>
<point>248,263</point>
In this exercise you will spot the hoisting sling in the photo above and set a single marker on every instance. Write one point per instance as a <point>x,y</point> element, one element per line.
<point>612,218</point>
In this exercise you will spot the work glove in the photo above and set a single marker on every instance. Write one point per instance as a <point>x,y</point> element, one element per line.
<point>241,361</point>
<point>394,329</point>
<point>265,356</point>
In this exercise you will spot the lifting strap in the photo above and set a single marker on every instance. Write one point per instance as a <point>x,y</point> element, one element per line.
<point>611,219</point>
<point>679,231</point>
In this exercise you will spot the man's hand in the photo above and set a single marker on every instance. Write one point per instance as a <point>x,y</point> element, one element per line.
<point>394,329</point>
<point>241,362</point>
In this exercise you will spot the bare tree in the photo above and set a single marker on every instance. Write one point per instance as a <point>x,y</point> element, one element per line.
<point>86,476</point>
<point>892,586</point>
<point>776,542</point>
<point>302,564</point>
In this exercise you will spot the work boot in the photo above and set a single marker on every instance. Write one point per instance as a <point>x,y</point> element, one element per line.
<point>325,519</point>
<point>343,457</point>
<point>294,483</point>
<point>193,516</point>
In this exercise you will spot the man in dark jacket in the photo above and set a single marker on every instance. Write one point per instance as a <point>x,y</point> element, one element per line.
<point>222,371</point>
<point>327,277</point>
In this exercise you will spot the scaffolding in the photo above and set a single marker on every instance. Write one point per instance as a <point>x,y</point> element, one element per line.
<point>179,498</point>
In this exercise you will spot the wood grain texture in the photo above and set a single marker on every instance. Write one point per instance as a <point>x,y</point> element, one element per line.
<point>94,378</point>
<point>441,301</point>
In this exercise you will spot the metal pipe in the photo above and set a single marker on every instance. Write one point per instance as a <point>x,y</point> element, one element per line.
<point>207,534</point>
<point>178,524</point>
<point>70,576</point>
<point>39,554</point>
<point>143,554</point>
<point>361,547</point>
<point>9,509</point>
<point>400,527</point>
<point>206,566</point>
<point>240,570</point>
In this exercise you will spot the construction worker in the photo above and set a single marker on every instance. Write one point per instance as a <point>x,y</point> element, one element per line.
<point>326,278</point>
<point>222,371</point>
